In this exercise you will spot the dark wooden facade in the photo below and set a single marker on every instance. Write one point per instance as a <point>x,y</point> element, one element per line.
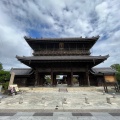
<point>62,56</point>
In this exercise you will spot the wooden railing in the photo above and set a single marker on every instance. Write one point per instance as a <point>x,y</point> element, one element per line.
<point>61,52</point>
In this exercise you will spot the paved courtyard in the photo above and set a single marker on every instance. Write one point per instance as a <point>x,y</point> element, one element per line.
<point>54,99</point>
<point>61,103</point>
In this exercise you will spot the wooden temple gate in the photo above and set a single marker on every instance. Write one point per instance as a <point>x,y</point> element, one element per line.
<point>83,74</point>
<point>69,56</point>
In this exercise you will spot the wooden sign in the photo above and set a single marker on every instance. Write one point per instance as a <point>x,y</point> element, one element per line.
<point>110,78</point>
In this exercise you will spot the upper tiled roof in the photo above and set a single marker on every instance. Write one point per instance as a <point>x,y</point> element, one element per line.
<point>86,42</point>
<point>21,71</point>
<point>62,39</point>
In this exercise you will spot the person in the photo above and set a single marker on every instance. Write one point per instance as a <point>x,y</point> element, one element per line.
<point>14,91</point>
<point>11,90</point>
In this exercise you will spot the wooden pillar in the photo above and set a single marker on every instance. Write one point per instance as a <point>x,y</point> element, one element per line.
<point>41,79</point>
<point>79,80</point>
<point>36,77</point>
<point>69,79</point>
<point>52,77</point>
<point>87,76</point>
<point>82,78</point>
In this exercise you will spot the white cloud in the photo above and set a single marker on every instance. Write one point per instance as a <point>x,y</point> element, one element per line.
<point>58,18</point>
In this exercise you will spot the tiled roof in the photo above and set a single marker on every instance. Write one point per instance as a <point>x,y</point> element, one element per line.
<point>62,57</point>
<point>103,70</point>
<point>21,71</point>
<point>63,39</point>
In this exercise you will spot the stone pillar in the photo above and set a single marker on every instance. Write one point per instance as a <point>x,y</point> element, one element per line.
<point>12,78</point>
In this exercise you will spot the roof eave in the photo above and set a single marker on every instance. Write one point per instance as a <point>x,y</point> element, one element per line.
<point>76,38</point>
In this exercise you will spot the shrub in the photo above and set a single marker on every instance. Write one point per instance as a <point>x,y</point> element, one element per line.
<point>5,85</point>
<point>75,80</point>
<point>48,80</point>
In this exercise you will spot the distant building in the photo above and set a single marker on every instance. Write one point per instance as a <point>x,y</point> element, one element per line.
<point>61,56</point>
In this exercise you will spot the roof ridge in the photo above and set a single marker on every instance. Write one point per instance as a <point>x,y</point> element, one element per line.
<point>93,37</point>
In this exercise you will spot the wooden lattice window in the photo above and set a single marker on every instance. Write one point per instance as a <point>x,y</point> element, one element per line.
<point>61,45</point>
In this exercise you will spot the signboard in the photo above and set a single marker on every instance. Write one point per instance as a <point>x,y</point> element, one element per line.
<point>110,78</point>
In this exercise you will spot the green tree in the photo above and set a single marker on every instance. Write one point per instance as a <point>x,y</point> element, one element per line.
<point>75,80</point>
<point>117,68</point>
<point>4,76</point>
<point>1,67</point>
<point>48,79</point>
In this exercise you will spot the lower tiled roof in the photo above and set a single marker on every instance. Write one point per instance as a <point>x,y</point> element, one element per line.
<point>82,57</point>
<point>28,71</point>
<point>103,70</point>
<point>21,71</point>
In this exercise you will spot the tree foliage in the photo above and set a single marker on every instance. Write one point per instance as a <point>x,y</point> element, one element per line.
<point>4,75</point>
<point>117,68</point>
<point>48,79</point>
<point>74,80</point>
<point>1,67</point>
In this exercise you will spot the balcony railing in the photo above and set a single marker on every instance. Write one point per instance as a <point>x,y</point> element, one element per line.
<point>61,52</point>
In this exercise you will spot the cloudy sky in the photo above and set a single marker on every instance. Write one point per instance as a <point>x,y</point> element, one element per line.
<point>58,18</point>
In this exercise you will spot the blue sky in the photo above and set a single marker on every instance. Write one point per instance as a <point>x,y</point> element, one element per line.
<point>58,18</point>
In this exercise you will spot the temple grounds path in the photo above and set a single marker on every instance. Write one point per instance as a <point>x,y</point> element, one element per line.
<point>53,99</point>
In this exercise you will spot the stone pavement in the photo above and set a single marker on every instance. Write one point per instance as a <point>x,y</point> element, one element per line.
<point>59,116</point>
<point>60,104</point>
<point>52,98</point>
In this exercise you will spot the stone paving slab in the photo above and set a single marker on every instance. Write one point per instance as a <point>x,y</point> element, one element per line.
<point>62,114</point>
<point>115,114</point>
<point>43,114</point>
<point>81,114</point>
<point>7,114</point>
<point>100,114</point>
<point>25,114</point>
